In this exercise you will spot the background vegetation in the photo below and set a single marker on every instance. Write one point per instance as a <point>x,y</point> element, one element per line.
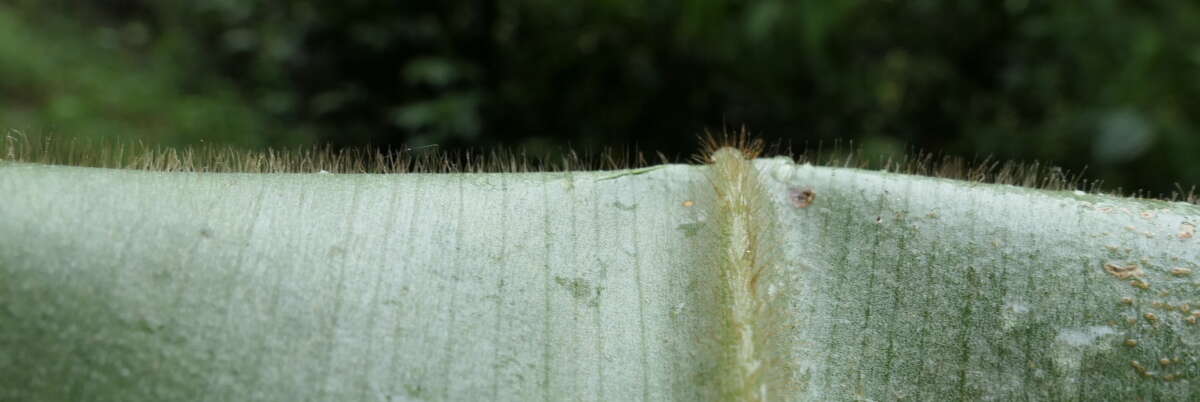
<point>1113,86</point>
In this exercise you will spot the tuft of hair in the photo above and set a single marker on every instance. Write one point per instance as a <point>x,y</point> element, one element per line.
<point>19,147</point>
<point>748,266</point>
<point>742,141</point>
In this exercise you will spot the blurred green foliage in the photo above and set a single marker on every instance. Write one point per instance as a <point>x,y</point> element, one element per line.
<point>1110,85</point>
<point>71,80</point>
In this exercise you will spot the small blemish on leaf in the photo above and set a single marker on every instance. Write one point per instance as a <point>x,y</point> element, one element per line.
<point>676,310</point>
<point>1140,368</point>
<point>624,207</point>
<point>580,289</point>
<point>1123,272</point>
<point>1186,230</point>
<point>690,229</point>
<point>801,198</point>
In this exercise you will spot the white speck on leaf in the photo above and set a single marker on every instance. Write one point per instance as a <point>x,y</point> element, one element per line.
<point>1083,336</point>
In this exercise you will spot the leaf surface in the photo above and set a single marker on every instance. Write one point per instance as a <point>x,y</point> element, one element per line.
<point>131,285</point>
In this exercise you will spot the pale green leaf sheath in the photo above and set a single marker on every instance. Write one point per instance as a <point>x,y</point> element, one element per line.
<point>128,285</point>
<point>930,289</point>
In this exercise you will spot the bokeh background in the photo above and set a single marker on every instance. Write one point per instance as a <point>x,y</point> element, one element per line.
<point>1110,86</point>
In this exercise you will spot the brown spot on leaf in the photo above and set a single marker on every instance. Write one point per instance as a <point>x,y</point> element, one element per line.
<point>1123,272</point>
<point>801,198</point>
<point>1187,230</point>
<point>1139,367</point>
